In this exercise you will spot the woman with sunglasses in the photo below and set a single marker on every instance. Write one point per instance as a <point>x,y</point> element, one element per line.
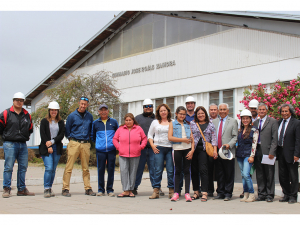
<point>162,148</point>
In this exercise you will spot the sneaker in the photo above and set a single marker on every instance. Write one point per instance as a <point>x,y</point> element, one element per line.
<point>175,197</point>
<point>100,194</point>
<point>134,191</point>
<point>65,193</point>
<point>52,193</point>
<point>111,194</point>
<point>187,197</point>
<point>90,192</point>
<point>25,192</point>
<point>6,192</point>
<point>47,193</point>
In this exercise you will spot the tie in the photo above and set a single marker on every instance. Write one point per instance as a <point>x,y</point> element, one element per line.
<point>259,131</point>
<point>220,134</point>
<point>281,133</point>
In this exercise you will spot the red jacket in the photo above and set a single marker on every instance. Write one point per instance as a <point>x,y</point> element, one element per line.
<point>130,143</point>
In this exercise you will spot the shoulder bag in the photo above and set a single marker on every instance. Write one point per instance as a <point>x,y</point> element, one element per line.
<point>208,146</point>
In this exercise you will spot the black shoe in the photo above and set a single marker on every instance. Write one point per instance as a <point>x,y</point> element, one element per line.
<point>292,201</point>
<point>134,191</point>
<point>90,192</point>
<point>227,198</point>
<point>219,197</point>
<point>242,195</point>
<point>260,198</point>
<point>269,199</point>
<point>284,199</point>
<point>66,193</point>
<point>210,195</point>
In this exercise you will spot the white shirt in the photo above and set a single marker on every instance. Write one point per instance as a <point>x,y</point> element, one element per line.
<point>160,134</point>
<point>286,124</point>
<point>183,145</point>
<point>262,124</point>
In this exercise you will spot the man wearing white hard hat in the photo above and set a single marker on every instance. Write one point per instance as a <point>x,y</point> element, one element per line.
<point>227,130</point>
<point>253,109</point>
<point>15,128</point>
<point>190,104</point>
<point>52,131</point>
<point>144,120</point>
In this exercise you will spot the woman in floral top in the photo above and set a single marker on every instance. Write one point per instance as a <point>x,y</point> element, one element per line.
<point>200,158</point>
<point>247,142</point>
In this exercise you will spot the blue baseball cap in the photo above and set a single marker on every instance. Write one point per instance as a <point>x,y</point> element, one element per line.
<point>103,105</point>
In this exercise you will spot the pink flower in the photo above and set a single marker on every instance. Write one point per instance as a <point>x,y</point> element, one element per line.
<point>288,102</point>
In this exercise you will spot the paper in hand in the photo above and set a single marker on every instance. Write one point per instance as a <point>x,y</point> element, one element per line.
<point>266,160</point>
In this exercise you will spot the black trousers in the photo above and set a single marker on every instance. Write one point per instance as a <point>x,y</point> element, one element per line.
<point>265,176</point>
<point>179,156</point>
<point>288,175</point>
<point>225,176</point>
<point>200,164</point>
<point>211,174</point>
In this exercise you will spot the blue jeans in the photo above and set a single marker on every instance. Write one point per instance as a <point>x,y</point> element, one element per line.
<point>15,151</point>
<point>165,153</point>
<point>147,155</point>
<point>50,163</point>
<point>102,157</point>
<point>245,168</point>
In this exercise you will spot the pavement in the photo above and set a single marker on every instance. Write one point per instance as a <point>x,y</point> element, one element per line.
<point>79,203</point>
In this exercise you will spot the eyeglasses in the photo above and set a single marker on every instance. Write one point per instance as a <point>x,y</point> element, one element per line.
<point>148,106</point>
<point>19,100</point>
<point>181,114</point>
<point>84,98</point>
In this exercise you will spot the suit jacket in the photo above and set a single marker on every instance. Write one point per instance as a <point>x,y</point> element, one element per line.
<point>46,136</point>
<point>268,136</point>
<point>229,132</point>
<point>291,140</point>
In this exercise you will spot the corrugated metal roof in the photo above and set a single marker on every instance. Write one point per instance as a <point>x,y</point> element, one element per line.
<point>271,15</point>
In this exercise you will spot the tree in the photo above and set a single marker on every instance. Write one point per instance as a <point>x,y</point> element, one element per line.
<point>279,93</point>
<point>99,88</point>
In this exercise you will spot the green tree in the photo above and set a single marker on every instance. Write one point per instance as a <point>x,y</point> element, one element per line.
<point>99,88</point>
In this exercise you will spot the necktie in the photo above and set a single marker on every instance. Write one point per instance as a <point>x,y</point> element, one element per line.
<point>281,133</point>
<point>220,134</point>
<point>259,131</point>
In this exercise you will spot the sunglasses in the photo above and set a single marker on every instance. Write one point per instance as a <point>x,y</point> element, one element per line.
<point>148,106</point>
<point>84,98</point>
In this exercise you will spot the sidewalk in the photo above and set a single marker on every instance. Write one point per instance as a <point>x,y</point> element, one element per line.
<point>141,204</point>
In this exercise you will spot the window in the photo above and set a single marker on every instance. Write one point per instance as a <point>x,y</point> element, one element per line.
<point>119,111</point>
<point>224,96</point>
<point>169,102</point>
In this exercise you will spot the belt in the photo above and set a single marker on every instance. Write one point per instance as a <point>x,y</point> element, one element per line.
<point>80,141</point>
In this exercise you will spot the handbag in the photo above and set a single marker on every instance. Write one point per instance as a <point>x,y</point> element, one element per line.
<point>208,146</point>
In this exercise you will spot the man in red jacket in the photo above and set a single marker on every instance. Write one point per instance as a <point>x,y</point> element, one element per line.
<point>15,128</point>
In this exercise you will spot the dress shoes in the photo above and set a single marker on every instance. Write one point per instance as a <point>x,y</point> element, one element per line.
<point>260,198</point>
<point>227,198</point>
<point>292,201</point>
<point>284,199</point>
<point>219,197</point>
<point>269,199</point>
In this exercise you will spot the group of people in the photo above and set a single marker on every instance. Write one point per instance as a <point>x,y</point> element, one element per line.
<point>182,144</point>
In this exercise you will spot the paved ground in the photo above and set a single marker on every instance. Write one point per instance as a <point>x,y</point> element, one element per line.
<point>141,204</point>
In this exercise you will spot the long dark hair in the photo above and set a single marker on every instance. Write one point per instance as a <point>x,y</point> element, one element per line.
<point>130,115</point>
<point>179,108</point>
<point>158,117</point>
<point>57,118</point>
<point>248,130</point>
<point>205,112</point>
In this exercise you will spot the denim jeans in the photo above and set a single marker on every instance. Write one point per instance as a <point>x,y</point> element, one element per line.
<point>245,168</point>
<point>50,163</point>
<point>15,151</point>
<point>102,158</point>
<point>147,155</point>
<point>165,154</point>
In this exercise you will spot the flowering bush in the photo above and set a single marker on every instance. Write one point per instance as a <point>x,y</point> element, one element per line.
<point>278,94</point>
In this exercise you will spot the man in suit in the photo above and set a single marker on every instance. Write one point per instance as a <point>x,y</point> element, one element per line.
<point>266,145</point>
<point>227,130</point>
<point>288,152</point>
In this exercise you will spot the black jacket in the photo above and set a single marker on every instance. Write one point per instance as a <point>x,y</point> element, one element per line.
<point>46,136</point>
<point>291,140</point>
<point>145,122</point>
<point>15,127</point>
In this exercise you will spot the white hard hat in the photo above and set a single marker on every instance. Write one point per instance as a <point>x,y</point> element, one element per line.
<point>245,112</point>
<point>228,157</point>
<point>253,103</point>
<point>190,99</point>
<point>19,95</point>
<point>147,101</point>
<point>53,105</point>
